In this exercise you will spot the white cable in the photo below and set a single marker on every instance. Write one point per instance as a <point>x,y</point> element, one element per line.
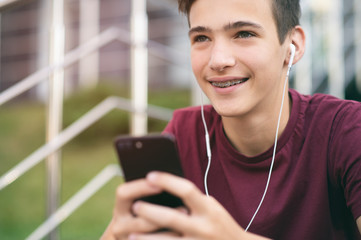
<point>273,156</point>
<point>276,137</point>
<point>209,152</point>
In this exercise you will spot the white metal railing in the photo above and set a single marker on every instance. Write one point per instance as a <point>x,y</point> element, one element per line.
<point>75,129</point>
<point>95,114</point>
<point>87,48</point>
<point>70,58</point>
<point>75,201</point>
<point>139,65</point>
<point>8,3</point>
<point>84,122</point>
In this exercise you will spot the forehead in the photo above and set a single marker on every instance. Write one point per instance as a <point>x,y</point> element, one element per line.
<point>217,13</point>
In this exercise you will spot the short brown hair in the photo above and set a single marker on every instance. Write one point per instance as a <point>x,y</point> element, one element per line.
<point>285,12</point>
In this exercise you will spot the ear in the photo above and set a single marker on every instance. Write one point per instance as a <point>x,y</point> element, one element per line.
<point>297,38</point>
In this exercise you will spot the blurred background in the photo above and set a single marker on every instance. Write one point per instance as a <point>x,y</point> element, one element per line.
<point>74,74</point>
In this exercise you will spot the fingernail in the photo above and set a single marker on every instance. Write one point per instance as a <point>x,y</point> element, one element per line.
<point>132,237</point>
<point>135,207</point>
<point>152,176</point>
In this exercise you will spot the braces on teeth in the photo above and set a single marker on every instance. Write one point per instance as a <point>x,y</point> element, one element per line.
<point>227,83</point>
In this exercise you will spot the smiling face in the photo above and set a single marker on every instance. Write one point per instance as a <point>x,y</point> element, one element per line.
<point>236,55</point>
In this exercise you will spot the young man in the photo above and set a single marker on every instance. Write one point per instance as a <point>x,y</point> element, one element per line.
<point>240,53</point>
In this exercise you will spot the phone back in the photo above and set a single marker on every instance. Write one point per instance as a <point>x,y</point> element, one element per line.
<point>141,155</point>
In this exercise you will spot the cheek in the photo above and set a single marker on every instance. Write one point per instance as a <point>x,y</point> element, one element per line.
<point>198,62</point>
<point>254,58</point>
<point>262,63</point>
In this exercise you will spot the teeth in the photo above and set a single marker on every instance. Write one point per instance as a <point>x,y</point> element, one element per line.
<point>228,83</point>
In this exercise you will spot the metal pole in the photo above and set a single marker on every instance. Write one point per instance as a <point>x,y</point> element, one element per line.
<point>55,108</point>
<point>139,66</point>
<point>357,21</point>
<point>0,48</point>
<point>41,89</point>
<point>89,27</point>
<point>303,71</point>
<point>336,61</point>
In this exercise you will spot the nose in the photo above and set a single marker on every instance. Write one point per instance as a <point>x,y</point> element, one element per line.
<point>222,57</point>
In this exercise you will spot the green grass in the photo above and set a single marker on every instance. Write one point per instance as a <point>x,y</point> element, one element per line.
<point>22,131</point>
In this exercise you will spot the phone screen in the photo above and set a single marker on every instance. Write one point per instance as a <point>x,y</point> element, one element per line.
<point>141,155</point>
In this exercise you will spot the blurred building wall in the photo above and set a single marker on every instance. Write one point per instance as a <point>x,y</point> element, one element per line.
<point>25,36</point>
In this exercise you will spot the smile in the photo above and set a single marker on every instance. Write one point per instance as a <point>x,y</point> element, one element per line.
<point>230,83</point>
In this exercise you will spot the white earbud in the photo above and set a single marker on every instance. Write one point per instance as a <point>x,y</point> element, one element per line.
<point>290,63</point>
<point>293,51</point>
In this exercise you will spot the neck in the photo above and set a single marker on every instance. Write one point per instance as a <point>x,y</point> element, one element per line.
<point>254,134</point>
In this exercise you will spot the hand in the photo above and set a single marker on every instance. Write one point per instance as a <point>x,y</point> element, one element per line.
<point>124,221</point>
<point>206,218</point>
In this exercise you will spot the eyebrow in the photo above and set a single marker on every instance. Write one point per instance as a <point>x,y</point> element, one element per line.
<point>198,29</point>
<point>227,27</point>
<point>240,24</point>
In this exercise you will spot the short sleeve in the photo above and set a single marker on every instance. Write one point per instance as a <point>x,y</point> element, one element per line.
<point>345,155</point>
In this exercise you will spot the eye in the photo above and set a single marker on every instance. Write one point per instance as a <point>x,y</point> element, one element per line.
<point>244,34</point>
<point>200,38</point>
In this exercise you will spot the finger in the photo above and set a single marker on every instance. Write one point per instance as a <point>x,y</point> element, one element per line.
<point>171,218</point>
<point>128,192</point>
<point>183,210</point>
<point>125,225</point>
<point>156,236</point>
<point>181,187</point>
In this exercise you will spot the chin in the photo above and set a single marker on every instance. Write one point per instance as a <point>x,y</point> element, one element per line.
<point>229,111</point>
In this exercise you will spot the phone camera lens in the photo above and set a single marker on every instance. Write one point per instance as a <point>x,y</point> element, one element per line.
<point>138,145</point>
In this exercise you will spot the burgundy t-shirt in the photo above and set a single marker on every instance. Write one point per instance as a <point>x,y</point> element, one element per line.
<point>315,189</point>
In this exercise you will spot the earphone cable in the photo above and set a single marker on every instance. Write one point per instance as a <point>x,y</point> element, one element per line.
<point>209,153</point>
<point>274,152</point>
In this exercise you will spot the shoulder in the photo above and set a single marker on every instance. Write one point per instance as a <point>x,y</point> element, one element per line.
<point>335,124</point>
<point>325,107</point>
<point>325,119</point>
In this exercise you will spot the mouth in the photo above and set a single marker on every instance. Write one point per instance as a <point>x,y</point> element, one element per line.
<point>229,83</point>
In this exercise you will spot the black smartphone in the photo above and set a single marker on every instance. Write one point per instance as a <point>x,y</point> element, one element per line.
<point>141,155</point>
